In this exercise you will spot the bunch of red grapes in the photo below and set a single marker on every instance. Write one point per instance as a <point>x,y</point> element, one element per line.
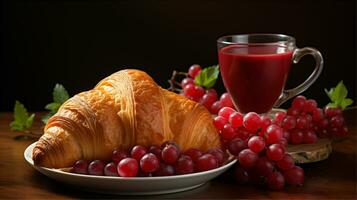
<point>259,141</point>
<point>166,160</point>
<point>208,98</point>
<point>303,123</point>
<point>259,145</point>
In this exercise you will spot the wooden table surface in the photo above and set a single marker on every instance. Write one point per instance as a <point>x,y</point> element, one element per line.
<point>334,178</point>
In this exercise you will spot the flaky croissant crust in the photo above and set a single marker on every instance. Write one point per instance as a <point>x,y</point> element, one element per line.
<point>125,109</point>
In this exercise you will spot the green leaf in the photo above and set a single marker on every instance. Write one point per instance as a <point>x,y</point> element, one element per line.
<point>22,120</point>
<point>60,94</point>
<point>332,105</point>
<point>338,96</point>
<point>29,121</point>
<point>53,106</point>
<point>345,103</point>
<point>16,126</point>
<point>207,77</point>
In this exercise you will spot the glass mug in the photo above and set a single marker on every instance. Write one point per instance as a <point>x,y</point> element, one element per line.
<point>254,69</point>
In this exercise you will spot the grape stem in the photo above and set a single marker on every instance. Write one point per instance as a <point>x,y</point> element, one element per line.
<point>174,85</point>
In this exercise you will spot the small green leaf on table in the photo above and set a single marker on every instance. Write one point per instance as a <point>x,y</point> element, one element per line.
<point>338,96</point>
<point>22,119</point>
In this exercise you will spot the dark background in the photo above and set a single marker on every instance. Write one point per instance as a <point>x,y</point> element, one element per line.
<point>77,43</point>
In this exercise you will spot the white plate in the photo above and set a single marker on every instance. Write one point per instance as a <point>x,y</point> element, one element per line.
<point>129,186</point>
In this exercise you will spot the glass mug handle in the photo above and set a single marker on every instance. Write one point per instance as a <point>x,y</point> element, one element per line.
<point>297,55</point>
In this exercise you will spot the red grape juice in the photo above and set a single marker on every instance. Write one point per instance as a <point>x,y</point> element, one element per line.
<point>254,75</point>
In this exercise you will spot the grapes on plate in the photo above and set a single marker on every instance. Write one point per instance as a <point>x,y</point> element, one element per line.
<point>96,167</point>
<point>206,162</point>
<point>149,163</point>
<point>81,167</point>
<point>137,152</point>
<point>110,169</point>
<point>128,167</point>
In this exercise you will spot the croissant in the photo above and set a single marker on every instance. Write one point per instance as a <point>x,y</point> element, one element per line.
<point>124,109</point>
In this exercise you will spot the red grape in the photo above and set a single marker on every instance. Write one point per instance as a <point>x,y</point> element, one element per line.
<point>212,92</point>
<point>188,89</point>
<point>286,134</point>
<point>209,98</point>
<point>264,166</point>
<point>273,134</point>
<point>194,153</point>
<point>81,167</point>
<point>289,122</point>
<point>226,112</point>
<point>128,167</point>
<point>275,152</point>
<point>156,150</point>
<point>310,106</point>
<point>298,102</point>
<point>337,121</point>
<point>236,119</point>
<point>283,142</point>
<point>167,143</point>
<point>184,165</point>
<point>219,154</point>
<point>266,121</point>
<point>324,124</point>
<point>149,163</point>
<point>309,137</point>
<point>216,106</point>
<point>193,91</point>
<point>206,162</point>
<point>330,112</point>
<point>279,116</point>
<point>228,132</point>
<point>119,155</point>
<point>242,133</point>
<point>301,122</point>
<point>317,115</point>
<point>293,112</point>
<point>187,81</point>
<point>226,100</point>
<point>170,154</point>
<point>294,176</point>
<point>296,136</point>
<point>111,169</point>
<point>219,122</point>
<point>165,170</point>
<point>276,181</point>
<point>137,152</point>
<point>194,70</point>
<point>252,121</point>
<point>256,144</point>
<point>96,167</point>
<point>247,158</point>
<point>236,145</point>
<point>287,162</point>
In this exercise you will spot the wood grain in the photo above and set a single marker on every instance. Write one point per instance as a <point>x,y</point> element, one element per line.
<point>333,178</point>
<point>307,153</point>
